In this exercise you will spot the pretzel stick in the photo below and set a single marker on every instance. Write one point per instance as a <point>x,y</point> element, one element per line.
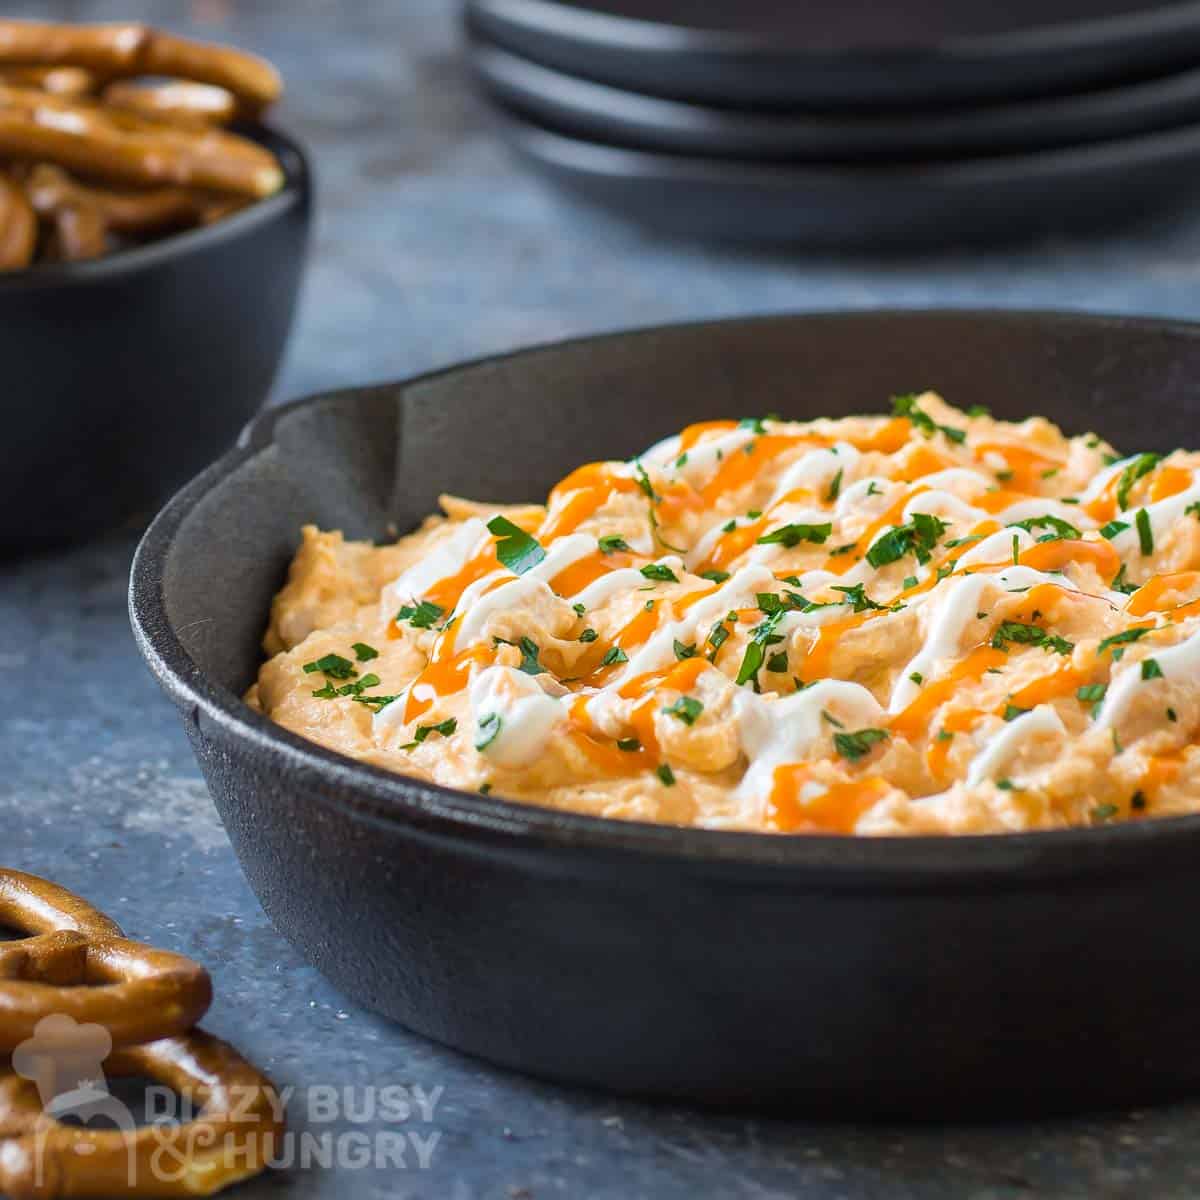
<point>51,191</point>
<point>189,104</point>
<point>234,1137</point>
<point>130,50</point>
<point>125,148</point>
<point>18,227</point>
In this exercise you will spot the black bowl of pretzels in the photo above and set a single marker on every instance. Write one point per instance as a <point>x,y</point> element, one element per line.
<point>153,232</point>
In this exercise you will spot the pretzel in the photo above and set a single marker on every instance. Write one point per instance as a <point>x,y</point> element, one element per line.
<point>182,103</point>
<point>127,148</point>
<point>61,81</point>
<point>54,194</point>
<point>233,1138</point>
<point>18,233</point>
<point>128,50</point>
<point>136,993</point>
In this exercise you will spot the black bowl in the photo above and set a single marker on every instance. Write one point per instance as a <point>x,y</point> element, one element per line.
<point>125,375</point>
<point>915,977</point>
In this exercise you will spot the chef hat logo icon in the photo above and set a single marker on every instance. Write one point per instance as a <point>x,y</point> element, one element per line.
<point>64,1059</point>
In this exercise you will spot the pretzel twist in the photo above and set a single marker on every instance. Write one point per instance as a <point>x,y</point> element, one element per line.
<point>233,1138</point>
<point>128,50</point>
<point>146,999</point>
<point>137,993</point>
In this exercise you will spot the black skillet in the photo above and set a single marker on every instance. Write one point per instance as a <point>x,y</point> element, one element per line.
<point>916,978</point>
<point>846,54</point>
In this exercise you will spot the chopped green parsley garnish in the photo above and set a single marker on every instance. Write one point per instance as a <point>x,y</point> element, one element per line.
<point>489,730</point>
<point>516,549</point>
<point>1013,711</point>
<point>420,616</point>
<point>588,635</point>
<point>855,745</point>
<point>684,651</point>
<point>1145,533</point>
<point>1120,639</point>
<point>715,576</point>
<point>686,708</point>
<point>919,536</point>
<point>1111,530</point>
<point>363,652</point>
<point>629,745</point>
<point>445,729</point>
<point>610,543</point>
<point>1142,465</point>
<point>665,775</point>
<point>793,535</point>
<point>333,665</point>
<point>659,572</point>
<point>614,655</point>
<point>1151,669</point>
<point>778,663</point>
<point>906,406</point>
<point>835,487</point>
<point>1104,812</point>
<point>1028,635</point>
<point>1058,527</point>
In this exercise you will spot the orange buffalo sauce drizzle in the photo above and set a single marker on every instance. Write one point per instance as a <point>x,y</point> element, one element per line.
<point>1168,480</point>
<point>1027,466</point>
<point>1053,556</point>
<point>1148,598</point>
<point>887,439</point>
<point>961,720</point>
<point>911,721</point>
<point>924,460</point>
<point>446,673</point>
<point>835,810</point>
<point>584,571</point>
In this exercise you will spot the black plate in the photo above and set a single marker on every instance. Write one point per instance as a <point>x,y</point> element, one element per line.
<point>125,375</point>
<point>635,121</point>
<point>914,977</point>
<point>846,53</point>
<point>868,205</point>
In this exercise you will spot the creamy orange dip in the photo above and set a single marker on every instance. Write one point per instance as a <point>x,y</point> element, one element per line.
<point>932,622</point>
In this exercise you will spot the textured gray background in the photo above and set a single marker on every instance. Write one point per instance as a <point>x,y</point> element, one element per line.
<point>431,247</point>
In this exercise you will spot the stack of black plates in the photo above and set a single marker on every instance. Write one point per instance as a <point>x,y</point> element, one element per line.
<point>852,122</point>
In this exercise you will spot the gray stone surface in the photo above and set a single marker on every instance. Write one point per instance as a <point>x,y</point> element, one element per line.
<point>432,246</point>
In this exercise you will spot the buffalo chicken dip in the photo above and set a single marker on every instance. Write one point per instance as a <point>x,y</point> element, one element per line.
<point>929,622</point>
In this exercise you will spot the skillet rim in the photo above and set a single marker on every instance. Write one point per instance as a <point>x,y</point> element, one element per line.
<point>370,794</point>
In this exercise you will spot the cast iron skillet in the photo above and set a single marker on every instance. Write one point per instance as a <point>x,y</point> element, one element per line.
<point>629,119</point>
<point>846,54</point>
<point>919,977</point>
<point>125,375</point>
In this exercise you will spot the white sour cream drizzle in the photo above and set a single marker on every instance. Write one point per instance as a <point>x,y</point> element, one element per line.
<point>510,707</point>
<point>447,558</point>
<point>1008,743</point>
<point>778,731</point>
<point>1162,516</point>
<point>1178,663</point>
